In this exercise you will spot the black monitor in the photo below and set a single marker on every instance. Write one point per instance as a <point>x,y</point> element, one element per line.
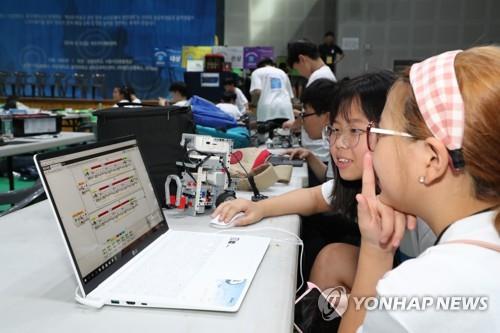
<point>158,131</point>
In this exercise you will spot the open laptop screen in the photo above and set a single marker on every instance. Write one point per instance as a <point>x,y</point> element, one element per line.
<point>105,204</point>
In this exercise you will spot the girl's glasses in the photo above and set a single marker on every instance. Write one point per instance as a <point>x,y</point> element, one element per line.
<point>349,136</point>
<point>373,134</point>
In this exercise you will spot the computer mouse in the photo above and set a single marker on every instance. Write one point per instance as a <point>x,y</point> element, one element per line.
<point>220,224</point>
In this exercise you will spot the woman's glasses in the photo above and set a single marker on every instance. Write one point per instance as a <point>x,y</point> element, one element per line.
<point>373,134</point>
<point>350,136</point>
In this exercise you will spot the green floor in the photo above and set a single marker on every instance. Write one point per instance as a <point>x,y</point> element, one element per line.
<point>18,184</point>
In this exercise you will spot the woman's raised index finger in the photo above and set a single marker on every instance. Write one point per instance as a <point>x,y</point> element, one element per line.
<point>368,183</point>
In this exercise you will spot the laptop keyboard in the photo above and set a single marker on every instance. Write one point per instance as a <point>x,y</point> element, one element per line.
<point>164,274</point>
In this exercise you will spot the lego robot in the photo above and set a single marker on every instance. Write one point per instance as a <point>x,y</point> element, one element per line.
<point>205,181</point>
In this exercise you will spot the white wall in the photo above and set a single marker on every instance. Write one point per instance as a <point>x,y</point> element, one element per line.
<point>412,29</point>
<point>387,29</point>
<point>276,22</point>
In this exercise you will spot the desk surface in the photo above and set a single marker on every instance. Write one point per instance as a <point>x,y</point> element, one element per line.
<point>37,284</point>
<point>32,144</point>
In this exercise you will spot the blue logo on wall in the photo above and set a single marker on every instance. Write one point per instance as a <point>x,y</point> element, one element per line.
<point>160,58</point>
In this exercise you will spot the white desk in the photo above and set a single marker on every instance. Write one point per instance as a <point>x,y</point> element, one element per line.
<point>32,144</point>
<point>37,284</point>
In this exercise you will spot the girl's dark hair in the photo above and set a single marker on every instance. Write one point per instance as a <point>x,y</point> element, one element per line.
<point>181,88</point>
<point>370,91</point>
<point>228,97</point>
<point>125,92</point>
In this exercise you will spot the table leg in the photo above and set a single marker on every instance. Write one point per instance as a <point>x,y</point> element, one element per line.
<point>10,172</point>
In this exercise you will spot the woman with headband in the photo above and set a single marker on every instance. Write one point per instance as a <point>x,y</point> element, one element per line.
<point>436,155</point>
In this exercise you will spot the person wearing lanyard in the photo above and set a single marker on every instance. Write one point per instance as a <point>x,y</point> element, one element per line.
<point>330,52</point>
<point>435,155</point>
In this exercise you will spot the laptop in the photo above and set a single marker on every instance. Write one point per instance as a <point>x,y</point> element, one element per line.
<point>121,248</point>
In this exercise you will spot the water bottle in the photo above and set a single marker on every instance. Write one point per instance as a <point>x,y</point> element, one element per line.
<point>7,126</point>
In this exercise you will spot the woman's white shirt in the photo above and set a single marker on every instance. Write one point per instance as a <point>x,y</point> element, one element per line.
<point>446,270</point>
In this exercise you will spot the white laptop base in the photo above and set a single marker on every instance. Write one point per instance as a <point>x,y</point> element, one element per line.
<point>187,270</point>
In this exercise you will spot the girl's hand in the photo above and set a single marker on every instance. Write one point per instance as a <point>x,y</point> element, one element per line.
<point>382,227</point>
<point>297,153</point>
<point>226,211</point>
<point>163,101</point>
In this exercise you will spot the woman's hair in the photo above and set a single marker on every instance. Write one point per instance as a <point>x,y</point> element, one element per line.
<point>368,91</point>
<point>478,76</point>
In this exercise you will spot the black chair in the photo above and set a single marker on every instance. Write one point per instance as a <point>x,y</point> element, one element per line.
<point>38,88</point>
<point>98,83</point>
<point>19,86</point>
<point>22,198</point>
<point>4,76</point>
<point>59,86</point>
<point>79,83</point>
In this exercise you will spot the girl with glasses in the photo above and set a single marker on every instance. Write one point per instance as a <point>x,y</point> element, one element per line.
<point>357,102</point>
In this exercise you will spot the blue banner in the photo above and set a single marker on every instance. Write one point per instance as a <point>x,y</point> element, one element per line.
<point>131,42</point>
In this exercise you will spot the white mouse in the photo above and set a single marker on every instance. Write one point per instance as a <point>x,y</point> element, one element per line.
<point>220,224</point>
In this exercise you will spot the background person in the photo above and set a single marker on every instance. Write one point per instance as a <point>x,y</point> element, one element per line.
<point>272,92</point>
<point>330,52</point>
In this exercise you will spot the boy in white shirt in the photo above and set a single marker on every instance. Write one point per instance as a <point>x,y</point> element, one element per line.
<point>227,105</point>
<point>271,87</point>
<point>303,56</point>
<point>241,100</point>
<point>179,95</point>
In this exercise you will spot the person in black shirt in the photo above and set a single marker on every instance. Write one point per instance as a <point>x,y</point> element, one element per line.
<point>330,52</point>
